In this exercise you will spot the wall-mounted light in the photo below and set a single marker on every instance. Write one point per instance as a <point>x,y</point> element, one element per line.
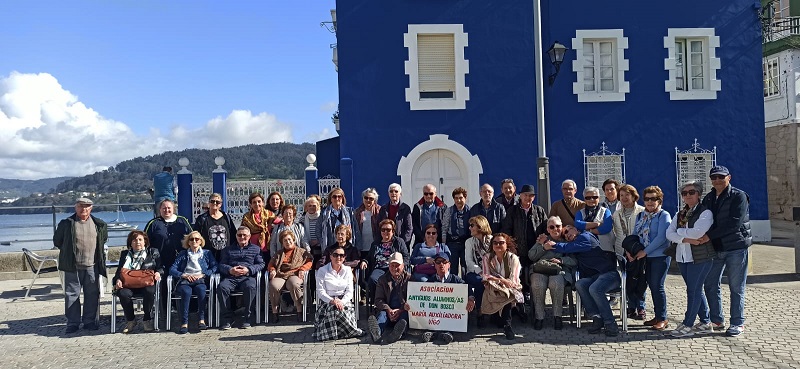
<point>556,54</point>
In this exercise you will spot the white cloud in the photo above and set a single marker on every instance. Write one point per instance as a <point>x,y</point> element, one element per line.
<point>319,136</point>
<point>328,107</point>
<point>45,131</point>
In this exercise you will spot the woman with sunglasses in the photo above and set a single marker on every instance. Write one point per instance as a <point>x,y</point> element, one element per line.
<point>500,274</point>
<point>694,258</point>
<point>555,282</point>
<point>335,317</point>
<point>191,268</point>
<point>651,227</point>
<point>366,219</point>
<point>215,226</point>
<point>336,213</point>
<point>475,250</point>
<point>377,262</point>
<point>423,254</point>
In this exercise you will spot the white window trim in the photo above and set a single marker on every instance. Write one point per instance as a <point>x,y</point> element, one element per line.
<point>461,94</point>
<point>777,75</point>
<point>621,43</point>
<point>712,64</point>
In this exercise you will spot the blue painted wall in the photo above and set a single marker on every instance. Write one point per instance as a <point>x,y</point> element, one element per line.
<point>328,157</point>
<point>498,124</point>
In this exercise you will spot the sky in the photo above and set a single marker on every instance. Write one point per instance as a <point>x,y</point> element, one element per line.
<point>87,84</point>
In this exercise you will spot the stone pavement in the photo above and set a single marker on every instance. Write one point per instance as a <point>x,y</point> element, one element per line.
<point>32,336</point>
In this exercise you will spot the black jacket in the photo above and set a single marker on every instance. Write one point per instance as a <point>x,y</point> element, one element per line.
<point>167,237</point>
<point>403,223</point>
<point>514,225</point>
<point>731,228</point>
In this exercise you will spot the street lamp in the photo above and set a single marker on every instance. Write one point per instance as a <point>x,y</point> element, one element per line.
<point>556,54</point>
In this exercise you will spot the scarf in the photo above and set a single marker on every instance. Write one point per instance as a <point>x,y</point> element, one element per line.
<point>259,224</point>
<point>495,267</point>
<point>135,259</point>
<point>643,226</point>
<point>684,215</point>
<point>297,257</point>
<point>591,213</point>
<point>481,248</point>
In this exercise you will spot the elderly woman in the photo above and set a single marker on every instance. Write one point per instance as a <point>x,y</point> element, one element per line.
<point>259,221</point>
<point>335,317</point>
<point>288,214</point>
<point>191,268</point>
<point>352,255</point>
<point>335,214</point>
<point>215,226</point>
<point>651,227</point>
<point>399,212</point>
<point>366,219</point>
<point>377,262</point>
<point>624,223</point>
<point>543,279</point>
<point>138,256</point>
<point>166,232</point>
<point>694,258</point>
<point>500,274</point>
<point>478,245</point>
<point>287,268</point>
<point>596,219</point>
<point>310,222</point>
<point>423,254</point>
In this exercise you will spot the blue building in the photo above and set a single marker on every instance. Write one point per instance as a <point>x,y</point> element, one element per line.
<point>444,92</point>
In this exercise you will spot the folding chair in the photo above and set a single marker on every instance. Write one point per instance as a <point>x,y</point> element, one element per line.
<point>305,296</point>
<point>211,284</point>
<point>357,291</point>
<point>234,294</point>
<point>36,263</point>
<point>619,293</point>
<point>139,299</point>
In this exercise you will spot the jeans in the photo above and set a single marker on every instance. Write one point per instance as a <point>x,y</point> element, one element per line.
<point>736,263</point>
<point>475,281</point>
<point>656,274</point>
<point>694,274</point>
<point>126,296</point>
<point>592,291</point>
<point>373,279</point>
<point>384,322</point>
<point>457,260</point>
<point>87,280</point>
<point>245,284</point>
<point>185,290</point>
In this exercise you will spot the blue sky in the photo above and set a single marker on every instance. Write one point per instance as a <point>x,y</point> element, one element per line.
<point>120,79</point>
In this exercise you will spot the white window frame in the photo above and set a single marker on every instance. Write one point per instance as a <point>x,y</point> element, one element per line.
<point>711,64</point>
<point>620,65</point>
<point>772,78</point>
<point>461,93</point>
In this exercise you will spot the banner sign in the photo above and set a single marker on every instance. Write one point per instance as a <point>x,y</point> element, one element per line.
<point>438,306</point>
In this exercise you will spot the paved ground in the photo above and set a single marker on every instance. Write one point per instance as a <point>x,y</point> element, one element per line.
<point>31,336</point>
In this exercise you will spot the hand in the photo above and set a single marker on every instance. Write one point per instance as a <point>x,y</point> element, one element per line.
<point>118,285</point>
<point>541,239</point>
<point>363,265</point>
<point>272,274</point>
<point>470,304</point>
<point>555,260</point>
<point>429,260</point>
<point>393,314</point>
<point>338,303</point>
<point>301,275</point>
<point>549,245</point>
<point>628,256</point>
<point>592,225</point>
<point>595,231</point>
<point>704,239</point>
<point>406,307</point>
<point>640,255</point>
<point>157,278</point>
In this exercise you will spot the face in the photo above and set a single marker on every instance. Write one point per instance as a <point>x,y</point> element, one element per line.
<point>509,189</point>
<point>137,244</point>
<point>719,181</point>
<point>487,193</point>
<point>275,201</point>
<point>430,236</point>
<point>526,199</point>
<point>166,209</point>
<point>591,198</point>
<point>474,231</point>
<point>568,190</point>
<point>288,243</point>
<point>690,196</point>
<point>499,245</point>
<point>387,232</point>
<point>257,204</point>
<point>442,266</point>
<point>394,194</point>
<point>214,204</point>
<point>341,236</point>
<point>428,194</point>
<point>554,228</point>
<point>396,269</point>
<point>626,199</point>
<point>651,202</point>
<point>243,237</point>
<point>195,242</point>
<point>288,216</point>
<point>312,207</point>
<point>369,201</point>
<point>337,256</point>
<point>610,190</point>
<point>571,233</point>
<point>83,210</point>
<point>337,198</point>
<point>460,200</point>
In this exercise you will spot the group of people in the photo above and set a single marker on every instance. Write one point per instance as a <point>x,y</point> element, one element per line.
<point>505,248</point>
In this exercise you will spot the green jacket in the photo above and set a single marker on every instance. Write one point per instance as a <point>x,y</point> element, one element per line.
<point>64,240</point>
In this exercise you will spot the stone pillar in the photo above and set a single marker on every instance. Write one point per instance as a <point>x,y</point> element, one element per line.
<point>312,185</point>
<point>185,208</point>
<point>220,178</point>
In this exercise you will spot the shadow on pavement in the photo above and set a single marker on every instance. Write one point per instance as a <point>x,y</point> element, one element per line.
<point>301,335</point>
<point>771,278</point>
<point>38,292</point>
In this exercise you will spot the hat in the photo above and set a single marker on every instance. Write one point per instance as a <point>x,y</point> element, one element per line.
<point>527,189</point>
<point>84,200</point>
<point>396,258</point>
<point>442,255</point>
<point>719,169</point>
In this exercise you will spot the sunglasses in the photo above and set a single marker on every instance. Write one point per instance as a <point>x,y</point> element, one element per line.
<point>473,225</point>
<point>688,193</point>
<point>386,229</point>
<point>440,261</point>
<point>498,242</point>
<point>242,235</point>
<point>651,199</point>
<point>591,197</point>
<point>394,191</point>
<point>337,255</point>
<point>431,233</point>
<point>717,176</point>
<point>367,198</point>
<point>428,193</point>
<point>195,239</point>
<point>555,226</point>
<point>215,202</point>
<point>336,196</point>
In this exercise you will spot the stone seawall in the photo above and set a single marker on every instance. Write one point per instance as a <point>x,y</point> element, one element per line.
<point>14,266</point>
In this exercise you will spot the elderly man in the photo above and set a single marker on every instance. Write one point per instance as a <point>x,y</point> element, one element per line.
<point>443,275</point>
<point>399,212</point>
<point>598,276</point>
<point>525,222</point>
<point>239,266</point>
<point>569,205</point>
<point>428,210</point>
<point>492,210</point>
<point>508,197</point>
<point>80,239</point>
<point>730,235</point>
<point>390,301</point>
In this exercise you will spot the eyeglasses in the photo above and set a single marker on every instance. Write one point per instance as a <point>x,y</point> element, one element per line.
<point>336,196</point>
<point>498,242</point>
<point>367,198</point>
<point>215,202</point>
<point>428,193</point>
<point>431,233</point>
<point>473,225</point>
<point>242,235</point>
<point>688,193</point>
<point>440,261</point>
<point>651,199</point>
<point>193,239</point>
<point>591,197</point>
<point>386,229</point>
<point>337,255</point>
<point>555,226</point>
<point>394,191</point>
<point>717,177</point>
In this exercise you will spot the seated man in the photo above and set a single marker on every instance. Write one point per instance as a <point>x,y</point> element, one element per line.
<point>598,275</point>
<point>239,265</point>
<point>442,262</point>
<point>390,301</point>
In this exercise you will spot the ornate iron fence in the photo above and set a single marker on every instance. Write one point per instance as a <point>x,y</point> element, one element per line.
<point>602,165</point>
<point>693,165</point>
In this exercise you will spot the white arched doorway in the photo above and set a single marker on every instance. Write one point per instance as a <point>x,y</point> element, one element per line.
<point>443,162</point>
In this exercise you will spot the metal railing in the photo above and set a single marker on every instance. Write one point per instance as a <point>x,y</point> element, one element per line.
<point>779,28</point>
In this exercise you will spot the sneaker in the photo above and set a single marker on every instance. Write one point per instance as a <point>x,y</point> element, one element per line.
<point>245,325</point>
<point>149,326</point>
<point>397,331</point>
<point>446,337</point>
<point>611,330</point>
<point>509,332</point>
<point>225,326</point>
<point>734,330</point>
<point>703,328</point>
<point>129,327</point>
<point>682,331</point>
<point>718,327</point>
<point>597,325</point>
<point>374,329</point>
<point>427,336</point>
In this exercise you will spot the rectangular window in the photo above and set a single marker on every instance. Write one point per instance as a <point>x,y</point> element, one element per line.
<point>598,66</point>
<point>437,65</point>
<point>693,66</point>
<point>771,78</point>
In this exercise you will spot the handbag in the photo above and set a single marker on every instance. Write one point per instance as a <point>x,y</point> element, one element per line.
<point>137,278</point>
<point>546,267</point>
<point>632,244</point>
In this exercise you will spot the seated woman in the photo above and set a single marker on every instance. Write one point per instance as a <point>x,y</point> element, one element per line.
<point>476,247</point>
<point>352,256</point>
<point>286,268</point>
<point>288,214</point>
<point>192,267</point>
<point>541,281</point>
<point>422,256</point>
<point>335,317</point>
<point>500,274</point>
<point>138,256</point>
<point>377,263</point>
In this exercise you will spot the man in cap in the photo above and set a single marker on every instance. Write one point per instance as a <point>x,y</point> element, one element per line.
<point>443,275</point>
<point>80,239</point>
<point>731,237</point>
<point>390,301</point>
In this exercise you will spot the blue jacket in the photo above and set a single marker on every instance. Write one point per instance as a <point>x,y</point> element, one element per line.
<point>249,256</point>
<point>607,226</point>
<point>495,214</point>
<point>591,258</point>
<point>731,228</point>
<point>207,263</point>
<point>658,233</point>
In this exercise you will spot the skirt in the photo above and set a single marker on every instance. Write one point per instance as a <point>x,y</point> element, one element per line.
<point>331,323</point>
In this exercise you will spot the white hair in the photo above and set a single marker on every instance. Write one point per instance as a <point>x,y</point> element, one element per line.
<point>397,186</point>
<point>570,182</point>
<point>591,189</point>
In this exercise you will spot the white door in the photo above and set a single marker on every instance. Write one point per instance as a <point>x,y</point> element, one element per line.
<point>442,168</point>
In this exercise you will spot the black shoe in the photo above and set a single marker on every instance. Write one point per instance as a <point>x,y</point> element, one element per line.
<point>202,326</point>
<point>225,326</point>
<point>558,323</point>
<point>374,329</point>
<point>611,329</point>
<point>397,331</point>
<point>72,329</point>
<point>245,325</point>
<point>509,332</point>
<point>597,325</point>
<point>91,326</point>
<point>538,324</point>
<point>183,330</point>
<point>273,318</point>
<point>446,337</point>
<point>479,321</point>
